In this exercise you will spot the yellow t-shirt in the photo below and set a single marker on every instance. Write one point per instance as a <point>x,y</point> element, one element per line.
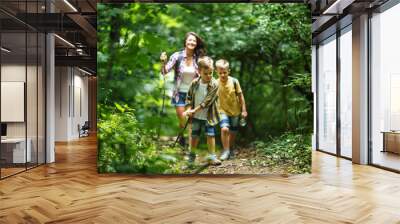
<point>229,103</point>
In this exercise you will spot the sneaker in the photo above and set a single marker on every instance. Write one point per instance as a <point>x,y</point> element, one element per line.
<point>225,155</point>
<point>212,159</point>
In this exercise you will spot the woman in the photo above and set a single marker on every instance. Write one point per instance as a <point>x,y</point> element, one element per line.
<point>184,63</point>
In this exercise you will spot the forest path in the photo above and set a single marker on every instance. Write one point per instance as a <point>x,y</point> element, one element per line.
<point>245,161</point>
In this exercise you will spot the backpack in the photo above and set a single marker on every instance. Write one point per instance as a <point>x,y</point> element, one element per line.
<point>235,83</point>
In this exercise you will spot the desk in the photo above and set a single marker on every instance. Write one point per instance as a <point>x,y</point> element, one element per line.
<point>391,141</point>
<point>13,150</point>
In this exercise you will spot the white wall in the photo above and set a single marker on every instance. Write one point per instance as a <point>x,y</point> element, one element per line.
<point>12,73</point>
<point>80,109</point>
<point>71,94</point>
<point>62,81</point>
<point>34,125</point>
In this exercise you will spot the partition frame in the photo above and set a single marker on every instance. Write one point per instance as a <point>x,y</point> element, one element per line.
<point>338,34</point>
<point>44,86</point>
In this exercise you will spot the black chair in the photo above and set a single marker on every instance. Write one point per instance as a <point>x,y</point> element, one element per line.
<point>84,130</point>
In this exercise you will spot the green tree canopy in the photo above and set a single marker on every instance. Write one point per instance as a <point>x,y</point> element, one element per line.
<point>268,47</point>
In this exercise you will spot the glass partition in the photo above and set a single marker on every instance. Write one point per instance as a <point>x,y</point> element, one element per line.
<point>346,92</point>
<point>385,89</point>
<point>15,151</point>
<point>22,88</point>
<point>327,95</point>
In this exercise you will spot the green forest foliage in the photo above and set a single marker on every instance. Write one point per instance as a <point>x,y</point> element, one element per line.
<point>130,149</point>
<point>291,151</point>
<point>267,45</point>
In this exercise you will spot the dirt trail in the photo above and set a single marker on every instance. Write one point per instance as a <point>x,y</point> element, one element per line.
<point>245,161</point>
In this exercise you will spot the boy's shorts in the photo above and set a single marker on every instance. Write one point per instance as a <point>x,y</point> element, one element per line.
<point>181,99</point>
<point>231,122</point>
<point>197,125</point>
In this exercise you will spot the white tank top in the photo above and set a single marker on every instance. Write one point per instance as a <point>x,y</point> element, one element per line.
<point>188,74</point>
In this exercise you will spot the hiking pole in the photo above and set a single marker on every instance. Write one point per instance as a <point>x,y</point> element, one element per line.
<point>180,135</point>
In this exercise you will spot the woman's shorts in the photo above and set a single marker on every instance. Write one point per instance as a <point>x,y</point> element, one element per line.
<point>181,100</point>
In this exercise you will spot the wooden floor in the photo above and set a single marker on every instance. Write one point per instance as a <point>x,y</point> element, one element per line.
<point>387,159</point>
<point>71,191</point>
<point>10,171</point>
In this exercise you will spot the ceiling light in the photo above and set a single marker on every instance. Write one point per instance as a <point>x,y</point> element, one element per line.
<point>5,49</point>
<point>86,72</point>
<point>70,5</point>
<point>65,41</point>
<point>338,6</point>
<point>79,51</point>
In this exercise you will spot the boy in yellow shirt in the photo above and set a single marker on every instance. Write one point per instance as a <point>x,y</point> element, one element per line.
<point>231,106</point>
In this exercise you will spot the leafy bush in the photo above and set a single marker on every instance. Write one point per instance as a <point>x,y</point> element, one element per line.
<point>124,147</point>
<point>291,151</point>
